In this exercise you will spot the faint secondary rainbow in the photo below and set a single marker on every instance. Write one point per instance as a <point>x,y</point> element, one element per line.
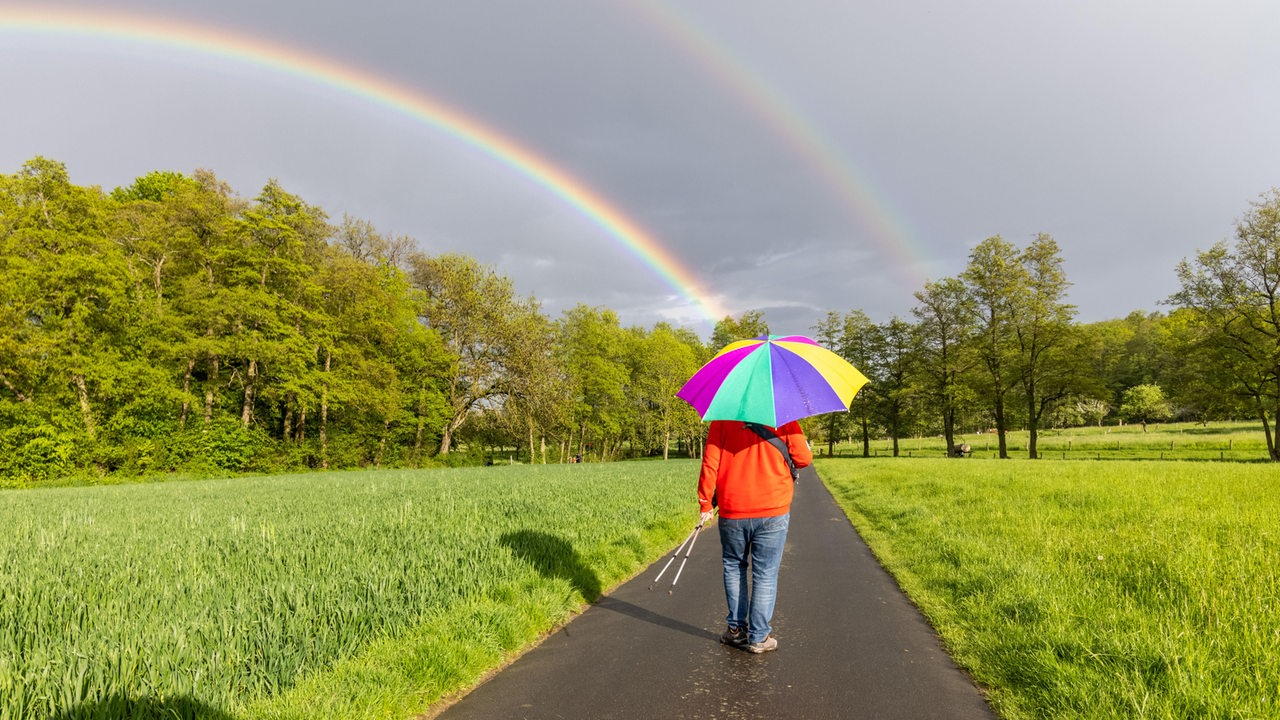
<point>848,182</point>
<point>412,103</point>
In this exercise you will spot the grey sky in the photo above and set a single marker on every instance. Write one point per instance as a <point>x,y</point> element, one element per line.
<point>1133,132</point>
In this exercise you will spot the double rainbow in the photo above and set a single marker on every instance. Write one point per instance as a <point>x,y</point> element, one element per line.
<point>330,73</point>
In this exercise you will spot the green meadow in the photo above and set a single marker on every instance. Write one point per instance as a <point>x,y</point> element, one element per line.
<point>1238,441</point>
<point>1087,590</point>
<point>1066,589</point>
<point>344,595</point>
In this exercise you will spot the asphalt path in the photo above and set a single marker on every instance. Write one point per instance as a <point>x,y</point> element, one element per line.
<point>850,644</point>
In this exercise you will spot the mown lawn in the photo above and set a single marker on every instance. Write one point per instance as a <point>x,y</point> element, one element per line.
<point>1085,589</point>
<point>343,595</point>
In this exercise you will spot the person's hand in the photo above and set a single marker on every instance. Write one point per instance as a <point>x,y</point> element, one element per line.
<point>704,518</point>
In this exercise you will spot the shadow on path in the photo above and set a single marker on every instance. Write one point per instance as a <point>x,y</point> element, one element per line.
<point>121,707</point>
<point>553,557</point>
<point>639,613</point>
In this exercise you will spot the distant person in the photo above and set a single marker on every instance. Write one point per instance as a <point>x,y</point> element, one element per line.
<point>748,478</point>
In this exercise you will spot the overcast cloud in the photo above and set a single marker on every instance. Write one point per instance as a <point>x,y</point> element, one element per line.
<point>1135,133</point>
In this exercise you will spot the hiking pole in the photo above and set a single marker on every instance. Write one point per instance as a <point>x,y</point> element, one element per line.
<point>675,555</point>
<point>685,560</point>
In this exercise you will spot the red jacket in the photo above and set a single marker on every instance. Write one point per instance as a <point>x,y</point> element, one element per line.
<point>747,475</point>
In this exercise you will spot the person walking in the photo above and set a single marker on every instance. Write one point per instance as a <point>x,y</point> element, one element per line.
<point>749,479</point>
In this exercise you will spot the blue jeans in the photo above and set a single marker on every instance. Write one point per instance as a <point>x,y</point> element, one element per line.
<point>754,543</point>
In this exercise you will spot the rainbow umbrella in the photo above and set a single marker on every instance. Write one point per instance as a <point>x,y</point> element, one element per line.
<point>772,380</point>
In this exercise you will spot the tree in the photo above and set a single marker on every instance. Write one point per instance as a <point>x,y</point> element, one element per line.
<point>538,402</point>
<point>992,279</point>
<point>899,354</point>
<point>1144,403</point>
<point>749,325</point>
<point>1042,326</point>
<point>479,318</point>
<point>859,341</point>
<point>1234,293</point>
<point>945,318</point>
<point>594,351</point>
<point>664,362</point>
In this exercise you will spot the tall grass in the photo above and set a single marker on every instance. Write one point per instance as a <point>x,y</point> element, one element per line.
<point>364,594</point>
<point>1087,590</point>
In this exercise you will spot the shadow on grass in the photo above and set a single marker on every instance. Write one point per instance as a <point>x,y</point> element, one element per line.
<point>120,707</point>
<point>554,557</point>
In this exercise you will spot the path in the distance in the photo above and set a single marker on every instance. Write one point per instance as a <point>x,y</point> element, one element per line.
<point>850,644</point>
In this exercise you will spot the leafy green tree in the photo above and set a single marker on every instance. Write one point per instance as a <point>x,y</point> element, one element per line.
<point>594,350</point>
<point>827,333</point>
<point>1042,327</point>
<point>899,354</point>
<point>664,362</point>
<point>1199,374</point>
<point>479,318</point>
<point>71,296</point>
<point>749,324</point>
<point>862,343</point>
<point>945,316</point>
<point>1234,294</point>
<point>538,403</point>
<point>993,277</point>
<point>1145,403</point>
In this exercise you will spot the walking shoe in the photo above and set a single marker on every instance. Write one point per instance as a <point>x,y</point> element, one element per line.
<point>764,646</point>
<point>735,636</point>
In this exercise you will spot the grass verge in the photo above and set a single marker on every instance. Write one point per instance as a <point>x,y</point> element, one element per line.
<point>1087,590</point>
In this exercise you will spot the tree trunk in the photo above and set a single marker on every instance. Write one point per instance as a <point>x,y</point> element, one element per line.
<point>866,438</point>
<point>251,377</point>
<point>446,438</point>
<point>422,421</point>
<point>382,443</point>
<point>324,413</point>
<point>949,424</point>
<point>186,391</point>
<point>1032,425</point>
<point>83,393</point>
<point>286,430</point>
<point>210,383</point>
<point>1272,452</point>
<point>1001,440</point>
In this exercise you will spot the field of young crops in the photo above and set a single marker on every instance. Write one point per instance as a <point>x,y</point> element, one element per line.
<point>1084,589</point>
<point>363,594</point>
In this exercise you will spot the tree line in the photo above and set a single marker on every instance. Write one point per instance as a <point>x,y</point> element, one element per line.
<point>997,347</point>
<point>172,325</point>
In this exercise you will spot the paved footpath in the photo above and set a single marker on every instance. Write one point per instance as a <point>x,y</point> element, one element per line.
<point>850,644</point>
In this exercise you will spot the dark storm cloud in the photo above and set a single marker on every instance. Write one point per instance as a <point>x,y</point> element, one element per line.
<point>1134,133</point>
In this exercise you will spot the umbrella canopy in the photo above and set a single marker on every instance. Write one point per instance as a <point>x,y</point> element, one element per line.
<point>772,380</point>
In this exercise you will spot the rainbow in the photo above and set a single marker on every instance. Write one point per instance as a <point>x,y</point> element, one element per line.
<point>412,103</point>
<point>850,184</point>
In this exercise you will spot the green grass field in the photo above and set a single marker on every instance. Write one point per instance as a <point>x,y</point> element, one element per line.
<point>1087,590</point>
<point>344,595</point>
<point>1068,589</point>
<point>1237,441</point>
